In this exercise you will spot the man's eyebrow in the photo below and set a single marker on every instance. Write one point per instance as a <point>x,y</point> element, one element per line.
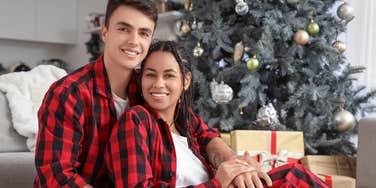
<point>144,29</point>
<point>121,23</point>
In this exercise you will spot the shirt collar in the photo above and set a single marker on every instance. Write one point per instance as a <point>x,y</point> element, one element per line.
<point>102,84</point>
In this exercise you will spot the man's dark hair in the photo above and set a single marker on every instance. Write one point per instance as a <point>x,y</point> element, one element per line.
<point>147,7</point>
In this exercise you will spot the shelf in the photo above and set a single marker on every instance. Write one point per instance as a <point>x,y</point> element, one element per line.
<point>169,16</point>
<point>166,17</point>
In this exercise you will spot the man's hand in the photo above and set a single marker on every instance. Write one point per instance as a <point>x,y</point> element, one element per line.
<point>229,169</point>
<point>251,179</point>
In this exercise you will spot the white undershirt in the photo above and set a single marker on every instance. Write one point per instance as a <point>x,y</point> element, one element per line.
<point>189,169</point>
<point>120,104</point>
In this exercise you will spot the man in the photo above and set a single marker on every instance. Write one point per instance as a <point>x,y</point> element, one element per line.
<point>78,111</point>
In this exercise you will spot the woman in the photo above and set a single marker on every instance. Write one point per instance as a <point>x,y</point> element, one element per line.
<point>157,144</point>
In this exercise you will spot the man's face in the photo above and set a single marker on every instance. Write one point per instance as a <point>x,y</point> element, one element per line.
<point>127,38</point>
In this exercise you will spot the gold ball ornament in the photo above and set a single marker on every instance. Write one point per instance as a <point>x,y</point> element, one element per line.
<point>253,63</point>
<point>198,51</point>
<point>313,28</point>
<point>340,46</point>
<point>185,28</point>
<point>343,121</point>
<point>301,37</point>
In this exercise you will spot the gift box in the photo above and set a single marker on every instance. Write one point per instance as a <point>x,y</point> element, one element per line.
<point>337,181</point>
<point>270,148</point>
<point>330,165</point>
<point>366,165</point>
<point>226,138</point>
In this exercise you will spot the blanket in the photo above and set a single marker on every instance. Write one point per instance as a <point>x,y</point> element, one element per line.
<point>25,92</point>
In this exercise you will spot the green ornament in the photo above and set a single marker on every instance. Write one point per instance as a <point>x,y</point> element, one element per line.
<point>313,28</point>
<point>253,63</point>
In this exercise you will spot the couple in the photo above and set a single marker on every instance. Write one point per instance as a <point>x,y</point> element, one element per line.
<point>93,134</point>
<point>79,117</point>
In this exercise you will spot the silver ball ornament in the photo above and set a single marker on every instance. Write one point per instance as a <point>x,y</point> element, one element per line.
<point>345,12</point>
<point>241,8</point>
<point>343,121</point>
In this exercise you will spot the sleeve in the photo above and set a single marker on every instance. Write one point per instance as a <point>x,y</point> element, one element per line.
<point>127,154</point>
<point>59,137</point>
<point>210,184</point>
<point>203,132</point>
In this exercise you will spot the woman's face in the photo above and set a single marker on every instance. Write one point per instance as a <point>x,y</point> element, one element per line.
<point>162,81</point>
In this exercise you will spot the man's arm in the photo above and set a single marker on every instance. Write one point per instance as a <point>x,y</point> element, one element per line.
<point>218,151</point>
<point>59,139</point>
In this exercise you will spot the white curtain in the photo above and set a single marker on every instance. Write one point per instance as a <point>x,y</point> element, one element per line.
<point>360,40</point>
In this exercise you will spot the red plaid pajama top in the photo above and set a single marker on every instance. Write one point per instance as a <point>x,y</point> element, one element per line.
<point>75,122</point>
<point>141,151</point>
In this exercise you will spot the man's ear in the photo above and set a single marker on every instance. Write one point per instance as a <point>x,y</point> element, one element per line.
<point>187,81</point>
<point>104,32</point>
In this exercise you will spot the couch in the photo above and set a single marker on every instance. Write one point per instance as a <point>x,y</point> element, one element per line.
<point>16,161</point>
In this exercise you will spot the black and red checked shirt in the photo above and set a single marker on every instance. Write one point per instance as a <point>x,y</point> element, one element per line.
<point>141,151</point>
<point>75,122</point>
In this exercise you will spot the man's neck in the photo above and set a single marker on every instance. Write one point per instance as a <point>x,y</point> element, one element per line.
<point>119,78</point>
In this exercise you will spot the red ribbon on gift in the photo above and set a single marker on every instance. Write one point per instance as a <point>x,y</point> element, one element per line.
<point>273,158</point>
<point>328,179</point>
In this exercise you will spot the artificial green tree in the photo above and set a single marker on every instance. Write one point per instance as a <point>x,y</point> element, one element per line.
<point>275,65</point>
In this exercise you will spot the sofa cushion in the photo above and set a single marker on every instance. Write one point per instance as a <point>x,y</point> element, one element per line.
<point>10,140</point>
<point>17,169</point>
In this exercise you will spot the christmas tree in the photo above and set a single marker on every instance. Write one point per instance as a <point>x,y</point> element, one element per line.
<point>275,65</point>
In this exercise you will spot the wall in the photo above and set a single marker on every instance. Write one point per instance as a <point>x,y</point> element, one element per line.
<point>77,55</point>
<point>361,42</point>
<point>13,51</point>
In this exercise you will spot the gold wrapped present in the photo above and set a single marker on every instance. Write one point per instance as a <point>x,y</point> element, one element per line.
<point>226,138</point>
<point>270,148</point>
<point>330,165</point>
<point>337,181</point>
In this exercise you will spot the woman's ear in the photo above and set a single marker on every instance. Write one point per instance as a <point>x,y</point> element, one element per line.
<point>187,81</point>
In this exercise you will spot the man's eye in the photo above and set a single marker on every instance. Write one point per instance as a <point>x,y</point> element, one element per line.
<point>170,76</point>
<point>123,29</point>
<point>145,34</point>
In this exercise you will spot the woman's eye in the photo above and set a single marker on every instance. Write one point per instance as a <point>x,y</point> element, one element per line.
<point>149,75</point>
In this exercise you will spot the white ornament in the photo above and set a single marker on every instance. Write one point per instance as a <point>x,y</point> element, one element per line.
<point>267,115</point>
<point>241,8</point>
<point>221,93</point>
<point>345,12</point>
<point>198,51</point>
<point>222,64</point>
